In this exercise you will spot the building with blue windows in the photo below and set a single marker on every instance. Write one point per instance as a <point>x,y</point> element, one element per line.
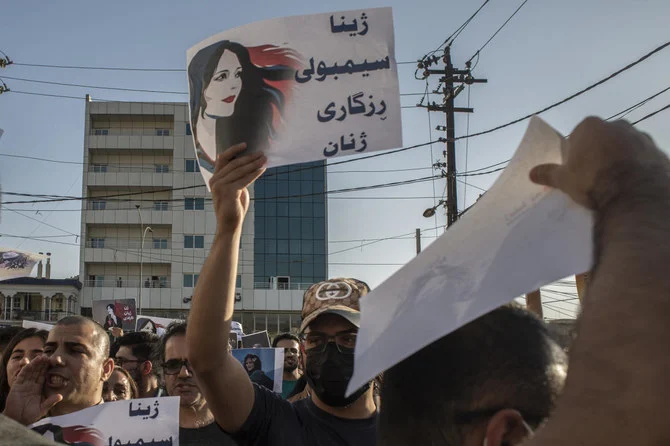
<point>151,241</point>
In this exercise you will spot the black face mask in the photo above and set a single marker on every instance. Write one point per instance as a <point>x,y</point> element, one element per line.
<point>328,374</point>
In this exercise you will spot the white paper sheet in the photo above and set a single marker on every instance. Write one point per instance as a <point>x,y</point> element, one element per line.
<point>148,421</point>
<point>338,92</point>
<point>517,238</point>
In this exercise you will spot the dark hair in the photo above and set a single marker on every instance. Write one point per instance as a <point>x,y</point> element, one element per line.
<point>23,334</point>
<point>256,360</point>
<point>101,338</point>
<point>502,360</point>
<point>144,346</point>
<point>285,337</point>
<point>134,391</point>
<point>174,329</point>
<point>112,306</point>
<point>6,335</point>
<point>252,121</point>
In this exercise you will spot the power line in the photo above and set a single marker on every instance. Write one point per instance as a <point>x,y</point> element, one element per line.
<point>46,224</point>
<point>83,67</point>
<point>623,113</point>
<point>105,197</point>
<point>569,98</point>
<point>497,31</point>
<point>101,87</point>
<point>651,114</point>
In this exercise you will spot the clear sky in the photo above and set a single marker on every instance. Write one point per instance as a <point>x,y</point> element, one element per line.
<point>548,51</point>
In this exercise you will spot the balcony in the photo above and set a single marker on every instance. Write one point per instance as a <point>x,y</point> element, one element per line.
<point>282,286</point>
<point>128,282</point>
<point>148,175</point>
<point>112,243</point>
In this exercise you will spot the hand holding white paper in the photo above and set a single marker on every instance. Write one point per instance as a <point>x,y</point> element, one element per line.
<point>299,89</point>
<point>517,238</point>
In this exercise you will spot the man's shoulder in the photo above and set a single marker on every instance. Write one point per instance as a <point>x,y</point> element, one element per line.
<point>13,433</point>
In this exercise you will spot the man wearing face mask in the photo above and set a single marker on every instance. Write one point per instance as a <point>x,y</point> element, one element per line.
<point>255,415</point>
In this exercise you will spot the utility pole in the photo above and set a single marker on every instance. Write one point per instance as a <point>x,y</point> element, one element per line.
<point>449,77</point>
<point>418,241</point>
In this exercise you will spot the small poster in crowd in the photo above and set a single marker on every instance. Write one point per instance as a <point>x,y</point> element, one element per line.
<point>299,89</point>
<point>488,258</point>
<point>256,340</point>
<point>15,263</point>
<point>265,366</point>
<point>154,324</point>
<point>147,421</point>
<point>119,313</point>
<point>37,325</point>
<point>233,340</point>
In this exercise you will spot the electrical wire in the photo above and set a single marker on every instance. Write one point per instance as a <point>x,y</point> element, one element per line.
<point>569,98</point>
<point>632,108</point>
<point>651,114</point>
<point>497,31</point>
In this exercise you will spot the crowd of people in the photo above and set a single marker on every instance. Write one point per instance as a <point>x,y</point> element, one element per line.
<point>498,380</point>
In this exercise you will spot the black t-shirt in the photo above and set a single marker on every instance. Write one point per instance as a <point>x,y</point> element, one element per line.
<point>210,435</point>
<point>274,421</point>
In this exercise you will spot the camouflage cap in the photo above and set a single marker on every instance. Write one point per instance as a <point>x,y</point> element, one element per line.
<point>335,296</point>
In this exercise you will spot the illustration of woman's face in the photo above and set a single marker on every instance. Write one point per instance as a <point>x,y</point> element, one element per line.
<point>223,90</point>
<point>110,310</point>
<point>249,364</point>
<point>149,327</point>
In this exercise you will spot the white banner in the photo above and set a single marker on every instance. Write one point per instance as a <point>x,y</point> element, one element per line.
<point>147,421</point>
<point>517,238</point>
<point>299,89</point>
<point>15,263</point>
<point>38,325</point>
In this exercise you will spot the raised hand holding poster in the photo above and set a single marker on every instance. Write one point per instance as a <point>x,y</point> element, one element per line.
<point>298,89</point>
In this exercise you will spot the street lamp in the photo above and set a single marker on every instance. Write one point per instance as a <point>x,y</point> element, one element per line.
<point>431,211</point>
<point>143,231</point>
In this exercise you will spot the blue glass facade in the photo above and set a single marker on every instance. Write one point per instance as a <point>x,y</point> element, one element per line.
<point>290,224</point>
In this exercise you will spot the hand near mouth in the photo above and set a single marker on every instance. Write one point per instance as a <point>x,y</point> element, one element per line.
<point>25,403</point>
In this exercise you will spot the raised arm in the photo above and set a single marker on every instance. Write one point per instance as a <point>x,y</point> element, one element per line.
<point>223,381</point>
<point>616,392</point>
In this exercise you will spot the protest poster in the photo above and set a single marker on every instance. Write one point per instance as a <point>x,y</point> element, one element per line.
<point>15,263</point>
<point>299,89</point>
<point>147,421</point>
<point>518,237</point>
<point>154,324</point>
<point>256,340</point>
<point>115,313</point>
<point>265,366</point>
<point>37,325</point>
<point>233,340</point>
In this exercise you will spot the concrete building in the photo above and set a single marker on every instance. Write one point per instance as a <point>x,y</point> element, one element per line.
<point>148,222</point>
<point>39,298</point>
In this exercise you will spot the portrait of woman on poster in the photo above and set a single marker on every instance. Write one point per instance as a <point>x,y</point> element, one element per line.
<point>238,94</point>
<point>112,320</point>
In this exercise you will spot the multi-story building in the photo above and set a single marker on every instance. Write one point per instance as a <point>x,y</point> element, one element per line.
<point>148,221</point>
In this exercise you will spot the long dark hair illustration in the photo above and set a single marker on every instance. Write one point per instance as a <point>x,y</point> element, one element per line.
<point>239,94</point>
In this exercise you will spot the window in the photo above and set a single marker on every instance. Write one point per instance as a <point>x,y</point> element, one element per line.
<point>238,282</point>
<point>96,281</point>
<point>194,204</point>
<point>192,166</point>
<point>162,132</point>
<point>99,168</point>
<point>161,168</point>
<point>162,281</point>
<point>190,280</point>
<point>101,132</point>
<point>160,205</point>
<point>17,302</point>
<point>188,129</point>
<point>97,242</point>
<point>160,243</point>
<point>194,241</point>
<point>98,205</point>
